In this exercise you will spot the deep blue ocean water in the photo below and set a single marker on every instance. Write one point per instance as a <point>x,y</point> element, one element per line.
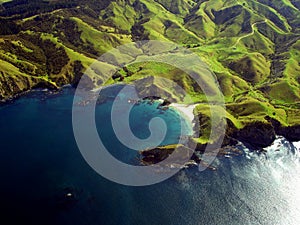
<point>40,164</point>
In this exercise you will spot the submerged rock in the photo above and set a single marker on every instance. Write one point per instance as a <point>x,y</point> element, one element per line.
<point>66,198</point>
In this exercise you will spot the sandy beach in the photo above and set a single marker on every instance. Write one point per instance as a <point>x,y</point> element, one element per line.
<point>187,110</point>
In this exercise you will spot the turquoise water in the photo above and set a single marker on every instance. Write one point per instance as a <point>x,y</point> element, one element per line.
<point>41,164</point>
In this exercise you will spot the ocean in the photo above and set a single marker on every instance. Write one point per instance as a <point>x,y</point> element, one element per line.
<point>45,180</point>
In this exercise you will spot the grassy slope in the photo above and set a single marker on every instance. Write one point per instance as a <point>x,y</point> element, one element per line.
<point>242,62</point>
<point>241,41</point>
<point>3,1</point>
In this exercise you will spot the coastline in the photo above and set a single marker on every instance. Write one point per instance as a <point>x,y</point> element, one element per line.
<point>269,130</point>
<point>186,110</point>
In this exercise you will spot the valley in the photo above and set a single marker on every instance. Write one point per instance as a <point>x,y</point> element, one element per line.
<point>253,48</point>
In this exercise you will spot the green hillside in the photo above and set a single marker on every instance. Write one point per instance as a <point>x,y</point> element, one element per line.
<point>252,46</point>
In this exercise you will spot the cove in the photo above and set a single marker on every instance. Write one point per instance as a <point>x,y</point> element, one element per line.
<point>41,166</point>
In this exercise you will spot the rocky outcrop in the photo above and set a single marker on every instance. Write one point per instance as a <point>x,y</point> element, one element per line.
<point>256,135</point>
<point>291,133</point>
<point>158,154</point>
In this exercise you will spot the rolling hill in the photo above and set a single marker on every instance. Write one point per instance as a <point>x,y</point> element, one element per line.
<point>252,46</point>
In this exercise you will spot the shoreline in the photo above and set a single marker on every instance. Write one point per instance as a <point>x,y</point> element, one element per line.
<point>186,110</point>
<point>289,132</point>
